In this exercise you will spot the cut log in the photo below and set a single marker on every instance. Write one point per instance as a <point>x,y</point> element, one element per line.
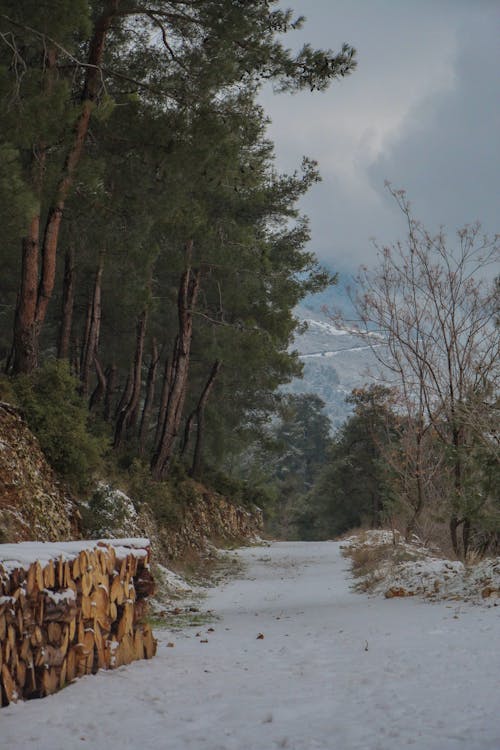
<point>63,674</point>
<point>71,663</point>
<point>49,575</point>
<point>10,690</point>
<point>36,636</point>
<point>25,650</point>
<point>54,633</point>
<point>21,671</point>
<point>144,583</point>
<point>117,593</point>
<point>149,642</point>
<point>99,647</point>
<point>126,622</point>
<point>59,609</point>
<point>71,616</point>
<point>50,681</point>
<point>87,583</point>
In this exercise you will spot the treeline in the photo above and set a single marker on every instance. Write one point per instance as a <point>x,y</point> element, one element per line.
<point>149,244</point>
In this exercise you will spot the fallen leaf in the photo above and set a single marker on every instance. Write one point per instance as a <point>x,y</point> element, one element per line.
<point>170,644</point>
<point>260,637</point>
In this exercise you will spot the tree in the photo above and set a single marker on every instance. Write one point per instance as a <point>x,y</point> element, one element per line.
<point>292,452</point>
<point>354,486</point>
<point>61,62</point>
<point>303,437</point>
<point>152,141</point>
<point>433,306</point>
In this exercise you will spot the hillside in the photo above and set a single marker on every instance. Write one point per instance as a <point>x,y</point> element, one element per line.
<point>335,361</point>
<point>33,503</point>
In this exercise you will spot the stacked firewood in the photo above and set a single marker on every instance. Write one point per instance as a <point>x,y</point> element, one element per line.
<point>76,607</point>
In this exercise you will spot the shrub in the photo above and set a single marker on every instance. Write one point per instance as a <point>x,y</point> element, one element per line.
<point>109,513</point>
<point>165,499</point>
<point>59,417</point>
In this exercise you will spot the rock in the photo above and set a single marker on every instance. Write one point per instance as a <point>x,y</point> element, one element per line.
<point>397,591</point>
<point>489,591</point>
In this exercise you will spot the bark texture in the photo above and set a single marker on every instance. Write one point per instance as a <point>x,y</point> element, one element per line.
<point>188,292</point>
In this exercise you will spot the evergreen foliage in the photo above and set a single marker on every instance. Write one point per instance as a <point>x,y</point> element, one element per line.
<point>354,485</point>
<point>134,159</point>
<point>60,419</point>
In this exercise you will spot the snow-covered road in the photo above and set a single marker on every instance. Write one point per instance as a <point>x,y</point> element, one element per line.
<point>334,670</point>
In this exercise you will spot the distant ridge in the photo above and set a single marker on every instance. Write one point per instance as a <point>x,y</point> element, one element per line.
<point>335,361</point>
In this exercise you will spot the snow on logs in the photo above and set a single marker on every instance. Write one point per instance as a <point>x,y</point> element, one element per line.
<point>68,609</point>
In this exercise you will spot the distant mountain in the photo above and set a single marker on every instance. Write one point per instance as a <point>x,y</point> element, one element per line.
<point>335,362</point>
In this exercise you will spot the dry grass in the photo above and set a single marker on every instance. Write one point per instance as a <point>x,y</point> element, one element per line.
<point>371,563</point>
<point>365,559</point>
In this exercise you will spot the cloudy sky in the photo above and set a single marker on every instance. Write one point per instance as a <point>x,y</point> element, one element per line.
<point>422,111</point>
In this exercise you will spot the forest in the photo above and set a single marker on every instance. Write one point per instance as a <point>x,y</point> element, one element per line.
<point>152,259</point>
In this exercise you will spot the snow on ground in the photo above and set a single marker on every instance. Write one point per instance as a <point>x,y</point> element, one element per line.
<point>334,670</point>
<point>409,569</point>
<point>173,581</point>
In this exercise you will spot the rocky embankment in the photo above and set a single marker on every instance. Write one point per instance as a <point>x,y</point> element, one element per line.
<point>208,520</point>
<point>34,505</point>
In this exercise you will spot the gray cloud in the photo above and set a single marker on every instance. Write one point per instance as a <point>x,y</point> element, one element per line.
<point>447,155</point>
<point>422,111</point>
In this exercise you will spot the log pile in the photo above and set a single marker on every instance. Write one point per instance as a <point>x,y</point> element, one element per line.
<point>69,609</point>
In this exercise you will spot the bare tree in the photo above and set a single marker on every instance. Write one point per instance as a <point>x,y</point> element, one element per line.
<point>434,307</point>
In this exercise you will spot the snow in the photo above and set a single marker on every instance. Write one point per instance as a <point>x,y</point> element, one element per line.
<point>60,596</point>
<point>172,581</point>
<point>425,574</point>
<point>334,670</point>
<point>336,352</point>
<point>326,327</point>
<point>22,554</point>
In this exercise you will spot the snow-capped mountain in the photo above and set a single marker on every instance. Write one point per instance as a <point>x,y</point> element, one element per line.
<point>335,361</point>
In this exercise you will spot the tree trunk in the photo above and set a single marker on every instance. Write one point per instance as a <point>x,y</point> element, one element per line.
<point>75,358</point>
<point>454,521</point>
<point>33,303</point>
<point>165,389</point>
<point>127,392</point>
<point>127,417</point>
<point>110,390</point>
<point>92,330</point>
<point>26,330</point>
<point>188,427</point>
<point>466,529</point>
<point>63,345</point>
<point>200,422</point>
<point>148,401</point>
<point>188,292</point>
<point>419,505</point>
<point>454,524</point>
<point>101,387</point>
